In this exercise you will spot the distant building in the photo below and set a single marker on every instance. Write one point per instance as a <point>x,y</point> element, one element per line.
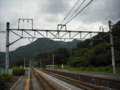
<point>49,66</point>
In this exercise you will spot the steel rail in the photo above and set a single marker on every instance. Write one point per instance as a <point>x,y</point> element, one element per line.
<point>43,82</point>
<point>80,85</point>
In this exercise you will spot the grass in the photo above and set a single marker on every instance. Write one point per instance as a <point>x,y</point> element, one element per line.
<point>107,69</point>
<point>40,68</point>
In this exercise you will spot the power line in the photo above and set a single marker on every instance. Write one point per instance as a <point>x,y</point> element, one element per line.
<point>79,12</point>
<point>61,28</point>
<point>70,11</point>
<point>0,16</point>
<point>21,8</point>
<point>76,10</point>
<point>47,45</point>
<point>70,19</point>
<point>27,10</point>
<point>2,31</point>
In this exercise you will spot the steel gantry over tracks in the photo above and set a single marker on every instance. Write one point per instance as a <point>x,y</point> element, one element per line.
<point>55,34</point>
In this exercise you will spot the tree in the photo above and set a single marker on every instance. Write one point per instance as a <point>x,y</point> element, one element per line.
<point>61,56</point>
<point>45,57</point>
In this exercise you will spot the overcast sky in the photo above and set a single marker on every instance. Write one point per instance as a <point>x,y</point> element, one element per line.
<point>46,14</point>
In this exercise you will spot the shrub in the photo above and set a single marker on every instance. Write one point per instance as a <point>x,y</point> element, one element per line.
<point>18,71</point>
<point>118,65</point>
<point>7,77</point>
<point>82,68</point>
<point>57,66</point>
<point>3,84</point>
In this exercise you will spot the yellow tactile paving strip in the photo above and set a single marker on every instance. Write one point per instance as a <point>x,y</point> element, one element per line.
<point>27,81</point>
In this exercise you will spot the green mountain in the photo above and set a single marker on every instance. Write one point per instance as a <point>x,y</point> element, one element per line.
<point>82,55</point>
<point>99,53</point>
<point>40,45</point>
<point>87,54</point>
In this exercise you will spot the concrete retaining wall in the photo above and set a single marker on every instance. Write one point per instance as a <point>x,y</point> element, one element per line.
<point>101,81</point>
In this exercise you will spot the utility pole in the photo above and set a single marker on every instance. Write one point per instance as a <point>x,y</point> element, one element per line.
<point>7,48</point>
<point>24,62</point>
<point>53,60</point>
<point>40,63</point>
<point>29,63</point>
<point>112,48</point>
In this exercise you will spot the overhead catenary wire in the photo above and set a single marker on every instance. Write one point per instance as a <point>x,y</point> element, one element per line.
<point>27,10</point>
<point>0,15</point>
<point>21,8</point>
<point>70,11</point>
<point>1,31</point>
<point>70,19</point>
<point>21,12</point>
<point>61,28</point>
<point>78,12</point>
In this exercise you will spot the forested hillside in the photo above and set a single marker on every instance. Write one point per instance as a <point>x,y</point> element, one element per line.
<point>84,55</point>
<point>97,54</point>
<point>40,45</point>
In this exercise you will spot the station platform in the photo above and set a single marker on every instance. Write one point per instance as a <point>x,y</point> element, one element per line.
<point>20,84</point>
<point>27,82</point>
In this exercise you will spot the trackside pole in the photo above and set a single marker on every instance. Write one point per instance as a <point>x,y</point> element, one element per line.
<point>24,62</point>
<point>7,48</point>
<point>53,60</point>
<point>112,48</point>
<point>40,64</point>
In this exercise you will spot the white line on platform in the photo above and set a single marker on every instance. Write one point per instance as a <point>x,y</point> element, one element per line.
<point>55,81</point>
<point>16,83</point>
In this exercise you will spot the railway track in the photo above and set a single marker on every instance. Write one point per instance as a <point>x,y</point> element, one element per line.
<point>52,81</point>
<point>80,85</point>
<point>45,85</point>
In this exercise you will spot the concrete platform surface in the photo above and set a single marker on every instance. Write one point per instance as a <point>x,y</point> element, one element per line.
<point>21,83</point>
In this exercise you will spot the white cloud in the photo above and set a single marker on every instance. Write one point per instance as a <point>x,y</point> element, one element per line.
<point>101,11</point>
<point>46,14</point>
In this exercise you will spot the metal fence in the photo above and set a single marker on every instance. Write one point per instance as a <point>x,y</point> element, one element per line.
<point>10,71</point>
<point>26,67</point>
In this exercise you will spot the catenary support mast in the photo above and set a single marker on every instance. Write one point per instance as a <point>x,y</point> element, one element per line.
<point>7,47</point>
<point>112,48</point>
<point>67,34</point>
